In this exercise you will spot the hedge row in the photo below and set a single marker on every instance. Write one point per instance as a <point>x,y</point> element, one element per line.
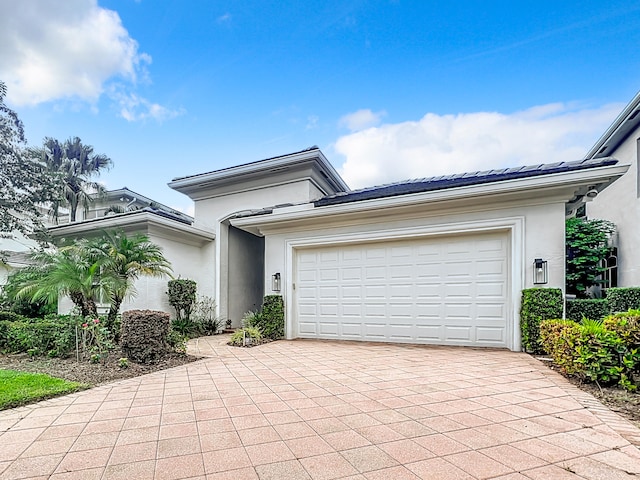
<point>617,300</point>
<point>606,352</point>
<point>54,336</point>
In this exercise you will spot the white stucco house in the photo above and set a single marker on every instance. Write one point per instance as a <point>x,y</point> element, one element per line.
<point>439,260</point>
<point>621,205</point>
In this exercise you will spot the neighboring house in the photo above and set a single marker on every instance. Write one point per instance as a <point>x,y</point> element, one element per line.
<point>440,260</point>
<point>186,247</point>
<point>621,204</point>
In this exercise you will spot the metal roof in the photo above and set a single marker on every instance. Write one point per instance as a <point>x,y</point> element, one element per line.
<point>461,180</point>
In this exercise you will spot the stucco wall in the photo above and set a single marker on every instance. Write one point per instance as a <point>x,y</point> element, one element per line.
<point>188,262</point>
<point>210,213</point>
<point>246,257</point>
<point>620,204</point>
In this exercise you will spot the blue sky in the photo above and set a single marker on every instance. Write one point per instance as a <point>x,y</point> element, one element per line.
<point>387,89</point>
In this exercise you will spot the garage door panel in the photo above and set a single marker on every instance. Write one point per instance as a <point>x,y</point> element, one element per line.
<point>458,333</point>
<point>328,275</point>
<point>490,335</point>
<point>445,290</point>
<point>352,310</point>
<point>375,273</point>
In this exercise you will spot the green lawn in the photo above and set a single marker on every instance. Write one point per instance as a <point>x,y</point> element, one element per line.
<point>20,388</point>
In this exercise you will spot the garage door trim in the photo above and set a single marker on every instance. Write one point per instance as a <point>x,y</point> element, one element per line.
<point>513,226</point>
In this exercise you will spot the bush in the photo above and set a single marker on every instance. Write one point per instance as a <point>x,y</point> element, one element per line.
<point>11,317</point>
<point>592,308</point>
<point>559,338</point>
<point>245,334</point>
<point>623,299</point>
<point>144,335</point>
<point>604,352</point>
<point>538,304</point>
<point>598,352</point>
<point>182,297</point>
<point>627,326</point>
<point>204,315</point>
<point>54,338</point>
<point>271,318</point>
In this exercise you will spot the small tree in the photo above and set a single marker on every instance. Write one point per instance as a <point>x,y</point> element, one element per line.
<point>182,297</point>
<point>586,242</point>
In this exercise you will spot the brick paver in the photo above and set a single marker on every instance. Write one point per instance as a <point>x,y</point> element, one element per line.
<point>325,410</point>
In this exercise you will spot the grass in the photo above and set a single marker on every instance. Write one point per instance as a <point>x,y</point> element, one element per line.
<point>20,388</point>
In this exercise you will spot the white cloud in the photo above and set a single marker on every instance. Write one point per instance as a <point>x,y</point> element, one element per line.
<point>361,119</point>
<point>224,18</point>
<point>73,50</point>
<point>135,108</point>
<point>445,144</point>
<point>312,122</point>
<point>52,50</point>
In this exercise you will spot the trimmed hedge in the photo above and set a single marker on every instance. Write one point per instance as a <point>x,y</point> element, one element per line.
<point>623,299</point>
<point>144,335</point>
<point>538,304</point>
<point>52,337</point>
<point>606,352</point>
<point>592,308</point>
<point>271,322</point>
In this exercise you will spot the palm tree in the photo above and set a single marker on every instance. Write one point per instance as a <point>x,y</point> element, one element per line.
<point>123,259</point>
<point>77,164</point>
<point>66,271</point>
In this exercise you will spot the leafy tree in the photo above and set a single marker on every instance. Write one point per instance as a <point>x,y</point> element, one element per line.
<point>67,271</point>
<point>24,181</point>
<point>123,259</point>
<point>77,165</point>
<point>586,242</point>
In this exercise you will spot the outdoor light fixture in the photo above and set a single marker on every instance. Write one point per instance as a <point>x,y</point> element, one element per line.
<point>275,282</point>
<point>539,271</point>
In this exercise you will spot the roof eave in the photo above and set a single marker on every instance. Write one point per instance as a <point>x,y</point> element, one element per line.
<point>617,131</point>
<point>602,176</point>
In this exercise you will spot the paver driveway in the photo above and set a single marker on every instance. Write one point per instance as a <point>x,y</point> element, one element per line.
<point>325,410</point>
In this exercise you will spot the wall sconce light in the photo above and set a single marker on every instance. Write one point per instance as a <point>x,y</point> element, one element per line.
<point>275,282</point>
<point>540,271</point>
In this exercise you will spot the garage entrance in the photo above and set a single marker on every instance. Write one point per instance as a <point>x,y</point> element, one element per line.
<point>446,290</point>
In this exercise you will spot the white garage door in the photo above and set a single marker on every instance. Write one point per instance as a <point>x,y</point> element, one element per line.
<point>440,290</point>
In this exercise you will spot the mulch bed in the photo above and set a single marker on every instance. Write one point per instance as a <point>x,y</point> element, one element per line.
<point>91,373</point>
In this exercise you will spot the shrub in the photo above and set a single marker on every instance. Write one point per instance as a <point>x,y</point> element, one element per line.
<point>271,320</point>
<point>144,335</point>
<point>245,334</point>
<point>204,315</point>
<point>559,338</point>
<point>538,304</point>
<point>251,319</point>
<point>592,308</point>
<point>177,341</point>
<point>598,352</point>
<point>627,326</point>
<point>97,339</point>
<point>11,317</point>
<point>623,299</point>
<point>40,337</point>
<point>182,297</point>
<point>185,327</point>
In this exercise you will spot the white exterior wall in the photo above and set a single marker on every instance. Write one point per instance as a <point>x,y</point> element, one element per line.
<point>536,232</point>
<point>620,204</point>
<point>211,213</point>
<point>188,262</point>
